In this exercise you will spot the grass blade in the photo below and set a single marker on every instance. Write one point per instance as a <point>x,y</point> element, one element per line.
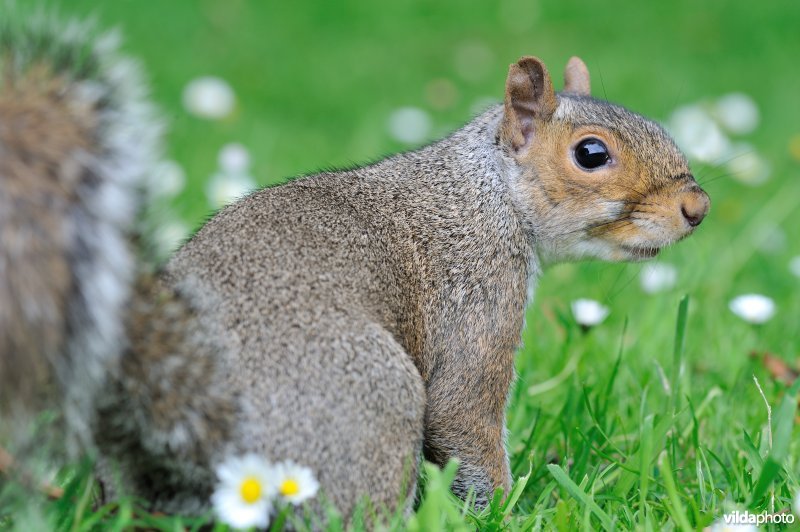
<point>677,354</point>
<point>784,423</point>
<point>672,492</point>
<point>577,493</point>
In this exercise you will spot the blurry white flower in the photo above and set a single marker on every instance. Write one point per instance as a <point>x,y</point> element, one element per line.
<point>746,165</point>
<point>794,265</point>
<point>737,113</point>
<point>295,483</point>
<point>209,97</point>
<point>233,180</point>
<point>409,125</point>
<point>697,134</point>
<point>167,179</point>
<point>224,188</point>
<point>234,158</point>
<point>169,235</point>
<point>588,312</point>
<point>658,277</point>
<point>243,496</point>
<point>796,504</point>
<point>754,308</point>
<point>473,60</point>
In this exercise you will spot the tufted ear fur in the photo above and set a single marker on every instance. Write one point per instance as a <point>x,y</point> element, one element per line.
<point>529,97</point>
<point>576,77</point>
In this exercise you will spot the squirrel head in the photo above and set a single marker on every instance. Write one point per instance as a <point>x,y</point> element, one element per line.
<point>592,179</point>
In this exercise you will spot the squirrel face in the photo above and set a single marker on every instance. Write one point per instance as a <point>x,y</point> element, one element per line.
<point>593,179</point>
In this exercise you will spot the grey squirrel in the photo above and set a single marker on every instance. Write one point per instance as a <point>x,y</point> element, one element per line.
<point>351,321</point>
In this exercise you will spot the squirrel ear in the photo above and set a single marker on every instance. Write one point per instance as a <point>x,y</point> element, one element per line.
<point>576,77</point>
<point>529,96</point>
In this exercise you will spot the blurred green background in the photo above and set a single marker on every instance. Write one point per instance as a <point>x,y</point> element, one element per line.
<point>316,85</point>
<point>316,81</point>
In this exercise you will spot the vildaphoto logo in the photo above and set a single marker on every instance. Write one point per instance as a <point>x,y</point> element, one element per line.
<point>763,518</point>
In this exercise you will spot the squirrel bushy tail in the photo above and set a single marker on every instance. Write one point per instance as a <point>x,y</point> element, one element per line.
<point>78,140</point>
<point>87,328</point>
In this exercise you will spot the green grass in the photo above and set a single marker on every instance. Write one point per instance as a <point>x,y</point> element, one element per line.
<point>657,422</point>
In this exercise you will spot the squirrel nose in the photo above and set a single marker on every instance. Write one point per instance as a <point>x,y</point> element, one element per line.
<point>694,207</point>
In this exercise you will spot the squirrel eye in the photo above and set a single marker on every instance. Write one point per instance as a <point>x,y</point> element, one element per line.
<point>591,153</point>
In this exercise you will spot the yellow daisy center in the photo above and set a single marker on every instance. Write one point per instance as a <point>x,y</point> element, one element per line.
<point>250,490</point>
<point>289,487</point>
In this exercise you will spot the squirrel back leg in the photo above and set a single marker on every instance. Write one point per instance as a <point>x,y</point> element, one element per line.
<point>349,404</point>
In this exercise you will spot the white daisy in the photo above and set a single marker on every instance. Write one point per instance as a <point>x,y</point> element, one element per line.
<point>169,235</point>
<point>737,113</point>
<point>746,165</point>
<point>167,179</point>
<point>410,125</point>
<point>658,277</point>
<point>233,180</point>
<point>243,497</point>
<point>698,134</point>
<point>234,158</point>
<point>224,188</point>
<point>754,308</point>
<point>295,483</point>
<point>588,312</point>
<point>209,97</point>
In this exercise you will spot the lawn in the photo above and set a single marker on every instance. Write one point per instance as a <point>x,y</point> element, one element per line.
<point>652,419</point>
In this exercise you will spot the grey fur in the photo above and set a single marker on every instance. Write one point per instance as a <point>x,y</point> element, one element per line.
<point>334,284</point>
